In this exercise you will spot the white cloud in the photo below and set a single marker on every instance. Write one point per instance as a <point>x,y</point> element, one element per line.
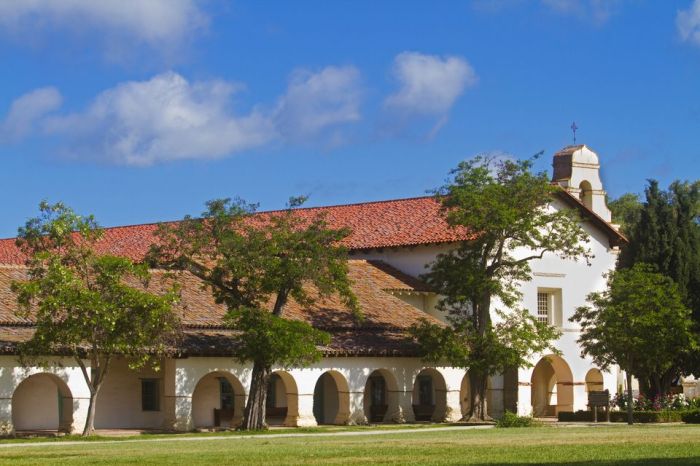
<point>161,24</point>
<point>429,85</point>
<point>165,118</point>
<point>688,23</point>
<point>317,102</point>
<point>28,110</point>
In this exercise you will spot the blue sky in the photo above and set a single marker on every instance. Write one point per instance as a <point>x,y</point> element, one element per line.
<point>141,111</point>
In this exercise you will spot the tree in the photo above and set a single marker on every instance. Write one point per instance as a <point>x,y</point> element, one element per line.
<point>667,235</point>
<point>87,305</point>
<point>638,323</point>
<point>254,263</point>
<point>507,209</point>
<point>626,211</point>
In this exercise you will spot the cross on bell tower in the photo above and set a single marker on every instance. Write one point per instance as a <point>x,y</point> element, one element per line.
<point>574,128</point>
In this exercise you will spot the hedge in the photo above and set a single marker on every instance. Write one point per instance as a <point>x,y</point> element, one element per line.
<point>691,417</point>
<point>621,416</point>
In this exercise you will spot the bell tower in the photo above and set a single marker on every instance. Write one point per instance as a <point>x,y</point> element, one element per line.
<point>577,169</point>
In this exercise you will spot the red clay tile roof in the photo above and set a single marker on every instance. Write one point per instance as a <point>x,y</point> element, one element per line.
<point>382,224</point>
<point>381,332</point>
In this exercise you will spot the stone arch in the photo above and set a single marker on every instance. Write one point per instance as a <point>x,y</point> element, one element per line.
<point>331,399</point>
<point>282,404</point>
<point>42,402</point>
<point>218,400</point>
<point>586,193</point>
<point>381,400</point>
<point>551,387</point>
<point>594,380</point>
<point>430,396</point>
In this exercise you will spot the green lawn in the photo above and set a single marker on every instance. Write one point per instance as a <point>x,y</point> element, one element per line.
<point>639,445</point>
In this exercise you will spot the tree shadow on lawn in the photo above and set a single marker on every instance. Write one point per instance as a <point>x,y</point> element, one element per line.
<point>690,461</point>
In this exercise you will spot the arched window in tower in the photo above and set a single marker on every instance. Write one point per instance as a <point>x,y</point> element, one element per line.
<point>586,194</point>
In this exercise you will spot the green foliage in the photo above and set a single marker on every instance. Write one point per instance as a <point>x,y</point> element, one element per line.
<point>506,207</point>
<point>639,323</point>
<point>511,419</point>
<point>246,260</point>
<point>643,417</point>
<point>691,416</point>
<point>269,339</point>
<point>626,211</point>
<point>250,262</point>
<point>88,305</point>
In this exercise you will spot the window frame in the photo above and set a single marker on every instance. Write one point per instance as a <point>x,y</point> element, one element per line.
<point>155,394</point>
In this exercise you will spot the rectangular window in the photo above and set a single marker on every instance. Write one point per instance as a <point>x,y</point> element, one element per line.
<point>150,395</point>
<point>226,393</point>
<point>425,390</point>
<point>271,399</point>
<point>378,391</point>
<point>544,307</point>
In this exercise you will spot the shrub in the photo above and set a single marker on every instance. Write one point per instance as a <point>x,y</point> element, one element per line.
<point>510,419</point>
<point>691,416</point>
<point>641,417</point>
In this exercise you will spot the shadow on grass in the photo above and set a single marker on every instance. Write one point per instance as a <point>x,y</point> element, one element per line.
<point>690,461</point>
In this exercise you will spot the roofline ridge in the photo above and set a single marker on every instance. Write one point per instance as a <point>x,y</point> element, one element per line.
<point>272,211</point>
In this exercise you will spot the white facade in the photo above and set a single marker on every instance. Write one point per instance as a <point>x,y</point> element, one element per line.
<point>196,392</point>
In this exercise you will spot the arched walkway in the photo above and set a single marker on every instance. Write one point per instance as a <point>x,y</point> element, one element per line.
<point>218,401</point>
<point>552,387</point>
<point>594,381</point>
<point>42,402</point>
<point>331,399</point>
<point>282,404</point>
<point>381,399</point>
<point>430,396</point>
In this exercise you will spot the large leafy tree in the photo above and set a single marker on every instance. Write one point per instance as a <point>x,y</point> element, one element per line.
<point>626,211</point>
<point>638,323</point>
<point>667,235</point>
<point>89,306</point>
<point>507,209</point>
<point>254,264</point>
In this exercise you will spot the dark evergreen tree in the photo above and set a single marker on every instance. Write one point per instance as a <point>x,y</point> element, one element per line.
<point>666,235</point>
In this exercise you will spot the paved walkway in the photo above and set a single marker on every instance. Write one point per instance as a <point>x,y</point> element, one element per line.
<point>203,438</point>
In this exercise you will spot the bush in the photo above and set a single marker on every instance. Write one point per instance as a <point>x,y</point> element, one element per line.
<point>641,417</point>
<point>510,419</point>
<point>691,417</point>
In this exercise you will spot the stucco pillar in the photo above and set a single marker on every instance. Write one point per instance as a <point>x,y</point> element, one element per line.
<point>405,408</point>
<point>356,408</point>
<point>524,398</point>
<point>580,396</point>
<point>306,416</point>
<point>6,415</point>
<point>453,409</point>
<point>168,406</point>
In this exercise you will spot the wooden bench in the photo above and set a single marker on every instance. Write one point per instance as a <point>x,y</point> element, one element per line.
<point>377,413</point>
<point>276,412</point>
<point>423,412</point>
<point>223,415</point>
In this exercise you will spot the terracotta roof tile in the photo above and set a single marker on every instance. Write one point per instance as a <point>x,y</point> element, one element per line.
<point>402,222</point>
<point>383,327</point>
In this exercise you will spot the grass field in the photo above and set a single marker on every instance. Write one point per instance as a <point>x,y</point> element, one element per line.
<point>639,445</point>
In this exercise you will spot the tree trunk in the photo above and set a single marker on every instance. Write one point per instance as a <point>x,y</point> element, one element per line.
<point>254,416</point>
<point>477,392</point>
<point>630,402</point>
<point>90,420</point>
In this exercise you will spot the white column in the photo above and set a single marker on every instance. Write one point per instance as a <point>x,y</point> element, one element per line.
<point>356,408</point>
<point>405,407</point>
<point>524,398</point>
<point>453,413</point>
<point>306,416</point>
